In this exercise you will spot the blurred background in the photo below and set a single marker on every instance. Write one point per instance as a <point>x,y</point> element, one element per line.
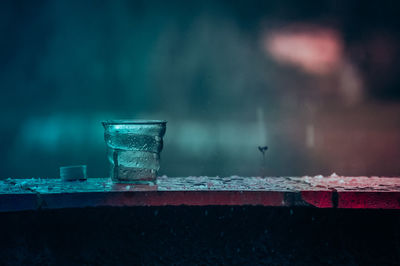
<point>315,81</point>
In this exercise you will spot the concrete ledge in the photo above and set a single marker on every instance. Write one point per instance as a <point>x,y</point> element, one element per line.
<point>322,192</point>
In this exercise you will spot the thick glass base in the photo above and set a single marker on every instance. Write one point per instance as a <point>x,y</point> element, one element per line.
<point>133,175</point>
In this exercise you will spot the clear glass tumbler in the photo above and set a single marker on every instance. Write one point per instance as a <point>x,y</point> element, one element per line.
<point>133,149</point>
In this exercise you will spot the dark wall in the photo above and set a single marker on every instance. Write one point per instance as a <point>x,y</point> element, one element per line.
<point>200,235</point>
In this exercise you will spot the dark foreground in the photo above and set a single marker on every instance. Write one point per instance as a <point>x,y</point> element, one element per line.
<point>200,235</point>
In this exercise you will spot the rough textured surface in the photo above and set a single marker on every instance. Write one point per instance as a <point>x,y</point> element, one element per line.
<point>324,192</point>
<point>209,235</point>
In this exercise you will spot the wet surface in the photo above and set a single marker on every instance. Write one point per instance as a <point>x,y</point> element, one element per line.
<point>203,183</point>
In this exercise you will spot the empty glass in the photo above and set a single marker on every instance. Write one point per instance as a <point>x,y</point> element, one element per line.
<point>133,149</point>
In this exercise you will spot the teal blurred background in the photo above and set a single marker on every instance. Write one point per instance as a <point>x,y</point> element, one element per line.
<point>317,82</point>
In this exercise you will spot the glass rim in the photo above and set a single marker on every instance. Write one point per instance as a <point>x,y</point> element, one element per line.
<point>133,122</point>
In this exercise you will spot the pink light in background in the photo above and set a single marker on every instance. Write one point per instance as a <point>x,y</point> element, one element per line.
<point>314,49</point>
<point>318,51</point>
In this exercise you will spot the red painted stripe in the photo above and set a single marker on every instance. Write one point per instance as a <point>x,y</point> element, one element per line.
<point>320,199</point>
<point>195,198</point>
<point>369,200</point>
